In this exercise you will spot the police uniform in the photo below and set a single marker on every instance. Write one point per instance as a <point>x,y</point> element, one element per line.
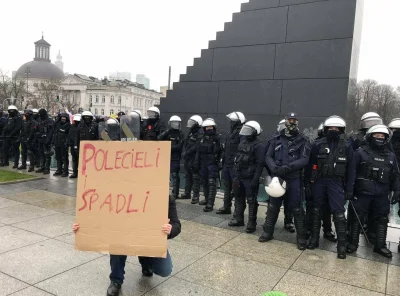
<point>11,134</point>
<point>328,173</point>
<point>190,147</point>
<point>44,135</point>
<point>3,123</point>
<point>287,156</point>
<point>71,139</point>
<point>374,175</point>
<point>28,132</point>
<point>249,164</point>
<point>60,144</point>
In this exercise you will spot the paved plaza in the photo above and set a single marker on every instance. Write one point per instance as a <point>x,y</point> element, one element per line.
<point>37,257</point>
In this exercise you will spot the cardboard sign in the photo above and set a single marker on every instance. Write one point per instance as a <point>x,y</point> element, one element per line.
<point>122,197</point>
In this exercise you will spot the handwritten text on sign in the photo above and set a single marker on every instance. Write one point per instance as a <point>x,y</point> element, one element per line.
<point>122,197</point>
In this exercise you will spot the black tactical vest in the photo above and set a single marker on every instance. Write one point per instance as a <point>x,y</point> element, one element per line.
<point>26,130</point>
<point>332,163</point>
<point>375,166</point>
<point>87,132</point>
<point>207,145</point>
<point>232,145</point>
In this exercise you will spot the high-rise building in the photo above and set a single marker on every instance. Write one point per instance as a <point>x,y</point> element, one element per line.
<point>120,76</point>
<point>59,63</point>
<point>142,79</point>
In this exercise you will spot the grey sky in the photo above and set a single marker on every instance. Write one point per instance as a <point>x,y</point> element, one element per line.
<point>97,37</point>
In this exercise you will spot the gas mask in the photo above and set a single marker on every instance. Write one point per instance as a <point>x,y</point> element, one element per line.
<point>332,134</point>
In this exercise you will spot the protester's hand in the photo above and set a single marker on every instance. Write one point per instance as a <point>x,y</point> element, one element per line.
<point>166,228</point>
<point>75,227</point>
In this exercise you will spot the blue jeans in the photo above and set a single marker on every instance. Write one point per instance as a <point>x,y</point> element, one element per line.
<point>160,266</point>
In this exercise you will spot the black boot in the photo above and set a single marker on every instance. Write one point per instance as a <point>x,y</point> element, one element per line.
<point>74,175</point>
<point>340,225</point>
<point>47,165</point>
<point>42,164</point>
<point>15,166</point>
<point>381,232</point>
<point>353,236</point>
<point>188,186</point>
<point>212,193</point>
<point>31,169</point>
<point>59,171</point>
<point>175,185</point>
<point>226,209</point>
<point>330,236</point>
<point>269,224</point>
<point>309,219</point>
<point>196,189</point>
<point>113,289</point>
<point>299,223</point>
<point>253,209</point>
<point>23,164</point>
<point>240,207</point>
<point>316,227</point>
<point>288,222</point>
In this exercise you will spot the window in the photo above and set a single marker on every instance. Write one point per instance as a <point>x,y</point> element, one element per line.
<point>119,100</point>
<point>97,98</point>
<point>102,111</point>
<point>111,111</point>
<point>91,99</point>
<point>95,111</point>
<point>103,99</point>
<point>112,100</point>
<point>41,52</point>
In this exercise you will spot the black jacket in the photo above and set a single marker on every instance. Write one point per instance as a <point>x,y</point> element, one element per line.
<point>173,219</point>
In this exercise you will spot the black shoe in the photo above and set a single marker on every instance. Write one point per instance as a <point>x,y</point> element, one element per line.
<point>185,196</point>
<point>31,169</point>
<point>224,211</point>
<point>289,227</point>
<point>235,223</point>
<point>15,166</point>
<point>208,209</point>
<point>46,172</point>
<point>22,167</point>
<point>351,249</point>
<point>147,272</point>
<point>301,244</point>
<point>39,170</point>
<point>330,236</point>
<point>64,175</point>
<point>313,244</point>
<point>265,237</point>
<point>194,201</point>
<point>57,173</point>
<point>251,227</point>
<point>203,202</point>
<point>73,176</point>
<point>113,289</point>
<point>385,252</point>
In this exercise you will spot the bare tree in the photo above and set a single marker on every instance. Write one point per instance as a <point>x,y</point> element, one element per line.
<point>46,93</point>
<point>68,99</point>
<point>14,87</point>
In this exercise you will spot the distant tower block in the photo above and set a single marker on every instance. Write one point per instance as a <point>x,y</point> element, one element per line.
<point>59,63</point>
<point>275,57</point>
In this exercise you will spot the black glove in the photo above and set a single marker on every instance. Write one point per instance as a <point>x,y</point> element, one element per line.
<point>281,171</point>
<point>395,198</point>
<point>349,196</point>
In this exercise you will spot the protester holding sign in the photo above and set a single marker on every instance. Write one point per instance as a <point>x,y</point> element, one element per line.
<point>160,266</point>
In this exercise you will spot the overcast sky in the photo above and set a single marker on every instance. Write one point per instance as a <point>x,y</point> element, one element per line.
<point>146,36</point>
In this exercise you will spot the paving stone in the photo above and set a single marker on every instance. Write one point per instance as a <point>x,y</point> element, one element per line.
<point>4,203</point>
<point>31,291</point>
<point>9,285</point>
<point>393,283</point>
<point>21,213</point>
<point>14,238</point>
<point>68,238</point>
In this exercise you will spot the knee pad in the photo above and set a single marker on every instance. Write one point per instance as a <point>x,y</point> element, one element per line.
<point>339,217</point>
<point>316,211</point>
<point>212,182</point>
<point>382,219</point>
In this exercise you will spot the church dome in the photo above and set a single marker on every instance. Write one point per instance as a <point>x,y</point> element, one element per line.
<point>41,66</point>
<point>40,70</point>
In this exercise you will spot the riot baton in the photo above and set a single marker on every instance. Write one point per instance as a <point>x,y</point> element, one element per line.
<point>359,221</point>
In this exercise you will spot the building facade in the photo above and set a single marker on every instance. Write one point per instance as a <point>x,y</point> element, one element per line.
<point>142,79</point>
<point>120,75</point>
<point>105,97</point>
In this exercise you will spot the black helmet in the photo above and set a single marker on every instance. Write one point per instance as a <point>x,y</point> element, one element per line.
<point>43,114</point>
<point>120,113</point>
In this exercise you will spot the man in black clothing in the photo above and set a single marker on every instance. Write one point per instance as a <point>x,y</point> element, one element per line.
<point>44,135</point>
<point>11,135</point>
<point>72,134</point>
<point>154,126</point>
<point>60,144</point>
<point>28,131</point>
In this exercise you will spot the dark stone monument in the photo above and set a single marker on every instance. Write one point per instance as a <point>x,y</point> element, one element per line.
<point>275,57</point>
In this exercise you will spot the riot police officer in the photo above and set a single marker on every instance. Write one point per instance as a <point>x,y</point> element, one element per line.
<point>61,132</point>
<point>135,113</point>
<point>11,134</point>
<point>374,175</point>
<point>249,164</point>
<point>87,129</point>
<point>121,113</point>
<point>44,136</point>
<point>112,128</point>
<point>154,126</point>
<point>191,143</point>
<point>207,159</point>
<point>35,144</point>
<point>175,135</point>
<point>232,141</point>
<point>28,132</point>
<point>287,156</point>
<point>72,134</point>
<point>327,175</point>
<point>3,123</point>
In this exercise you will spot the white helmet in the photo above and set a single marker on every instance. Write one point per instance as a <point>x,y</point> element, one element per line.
<point>250,128</point>
<point>195,119</point>
<point>134,112</point>
<point>381,129</point>
<point>112,121</point>
<point>153,112</point>
<point>335,121</point>
<point>87,113</point>
<point>209,122</point>
<point>276,187</point>
<point>12,107</point>
<point>77,117</point>
<point>175,122</point>
<point>370,119</point>
<point>35,111</point>
<point>236,116</point>
<point>321,127</point>
<point>281,125</point>
<point>395,123</point>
